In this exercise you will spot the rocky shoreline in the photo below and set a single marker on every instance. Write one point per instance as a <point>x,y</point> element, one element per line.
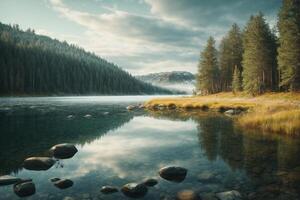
<point>173,174</point>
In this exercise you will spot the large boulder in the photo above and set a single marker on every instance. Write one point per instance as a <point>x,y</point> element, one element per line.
<point>229,195</point>
<point>108,189</point>
<point>63,183</point>
<point>24,189</point>
<point>8,180</point>
<point>134,190</point>
<point>63,151</point>
<point>173,173</point>
<point>38,163</point>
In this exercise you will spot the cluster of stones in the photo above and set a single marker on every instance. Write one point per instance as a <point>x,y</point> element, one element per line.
<point>139,190</point>
<point>135,107</point>
<point>173,174</point>
<point>24,188</point>
<point>226,110</point>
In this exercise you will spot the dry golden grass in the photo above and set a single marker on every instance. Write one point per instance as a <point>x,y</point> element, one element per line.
<point>271,112</point>
<point>287,121</point>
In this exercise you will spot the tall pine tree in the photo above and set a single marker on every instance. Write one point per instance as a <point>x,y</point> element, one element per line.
<point>236,80</point>
<point>289,49</point>
<point>259,57</point>
<point>231,51</point>
<point>208,71</point>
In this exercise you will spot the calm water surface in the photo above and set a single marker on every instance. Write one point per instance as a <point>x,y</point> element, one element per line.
<point>117,147</point>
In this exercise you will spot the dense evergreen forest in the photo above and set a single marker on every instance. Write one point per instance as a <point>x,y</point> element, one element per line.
<point>256,60</point>
<point>33,64</point>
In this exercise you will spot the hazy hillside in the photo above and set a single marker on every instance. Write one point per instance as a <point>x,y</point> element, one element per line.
<point>176,80</point>
<point>36,64</point>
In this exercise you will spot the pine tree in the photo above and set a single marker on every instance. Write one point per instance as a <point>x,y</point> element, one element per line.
<point>231,51</point>
<point>289,41</point>
<point>236,80</point>
<point>208,71</point>
<point>259,56</point>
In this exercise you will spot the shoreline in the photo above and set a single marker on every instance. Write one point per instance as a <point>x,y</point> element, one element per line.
<point>270,112</point>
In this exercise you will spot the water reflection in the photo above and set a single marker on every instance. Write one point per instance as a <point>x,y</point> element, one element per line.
<point>117,147</point>
<point>271,162</point>
<point>32,131</point>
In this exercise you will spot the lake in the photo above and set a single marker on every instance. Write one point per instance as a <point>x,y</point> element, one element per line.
<point>116,146</point>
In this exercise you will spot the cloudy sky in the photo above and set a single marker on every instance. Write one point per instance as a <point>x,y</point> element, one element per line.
<point>141,36</point>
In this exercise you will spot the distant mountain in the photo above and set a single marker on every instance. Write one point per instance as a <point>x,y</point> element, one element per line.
<point>176,80</point>
<point>33,64</point>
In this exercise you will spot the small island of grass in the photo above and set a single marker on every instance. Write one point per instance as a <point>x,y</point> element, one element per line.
<point>270,112</point>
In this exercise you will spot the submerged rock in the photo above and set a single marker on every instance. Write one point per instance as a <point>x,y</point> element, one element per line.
<point>188,195</point>
<point>63,183</point>
<point>70,116</point>
<point>24,189</point>
<point>134,190</point>
<point>175,174</point>
<point>63,151</point>
<point>54,179</point>
<point>108,189</point>
<point>229,195</point>
<point>8,180</point>
<point>68,198</point>
<point>38,163</point>
<point>206,176</point>
<point>150,182</point>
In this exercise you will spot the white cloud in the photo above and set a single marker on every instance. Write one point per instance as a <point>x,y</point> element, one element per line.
<point>167,38</point>
<point>119,35</point>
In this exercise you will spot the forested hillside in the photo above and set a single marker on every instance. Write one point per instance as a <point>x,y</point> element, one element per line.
<point>33,64</point>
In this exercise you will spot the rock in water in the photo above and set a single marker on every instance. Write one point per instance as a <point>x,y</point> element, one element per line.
<point>229,195</point>
<point>109,189</point>
<point>8,180</point>
<point>232,112</point>
<point>206,176</point>
<point>54,179</point>
<point>24,189</point>
<point>63,151</point>
<point>130,107</point>
<point>134,190</point>
<point>188,195</point>
<point>38,163</point>
<point>150,182</point>
<point>63,184</point>
<point>87,116</point>
<point>175,174</point>
<point>70,116</point>
<point>142,106</point>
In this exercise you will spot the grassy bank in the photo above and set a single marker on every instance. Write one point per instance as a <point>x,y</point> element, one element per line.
<point>271,112</point>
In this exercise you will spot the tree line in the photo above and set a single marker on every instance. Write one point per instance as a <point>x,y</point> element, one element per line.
<point>36,64</point>
<point>256,60</point>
